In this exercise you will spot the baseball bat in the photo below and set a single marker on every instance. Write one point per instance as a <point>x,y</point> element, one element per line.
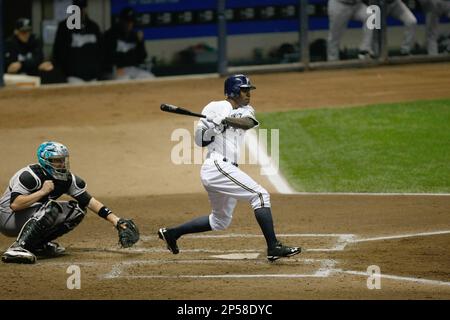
<point>179,110</point>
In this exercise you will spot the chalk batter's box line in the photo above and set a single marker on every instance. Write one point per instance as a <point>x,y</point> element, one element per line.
<point>324,270</point>
<point>117,270</point>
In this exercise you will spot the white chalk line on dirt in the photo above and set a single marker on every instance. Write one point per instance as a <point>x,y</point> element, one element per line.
<point>326,268</point>
<point>161,250</point>
<point>412,194</point>
<point>393,277</point>
<point>401,236</point>
<point>219,276</point>
<point>258,151</point>
<point>117,270</point>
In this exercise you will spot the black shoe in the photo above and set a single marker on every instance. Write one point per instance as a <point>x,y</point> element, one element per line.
<point>50,249</point>
<point>281,251</point>
<point>171,242</point>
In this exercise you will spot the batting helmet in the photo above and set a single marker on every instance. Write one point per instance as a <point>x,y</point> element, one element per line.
<point>54,159</point>
<point>234,83</point>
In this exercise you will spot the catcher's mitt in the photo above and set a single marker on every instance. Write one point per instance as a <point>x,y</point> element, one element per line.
<point>129,235</point>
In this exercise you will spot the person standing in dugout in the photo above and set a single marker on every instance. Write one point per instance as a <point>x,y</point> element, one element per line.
<point>78,52</point>
<point>222,132</point>
<point>30,212</point>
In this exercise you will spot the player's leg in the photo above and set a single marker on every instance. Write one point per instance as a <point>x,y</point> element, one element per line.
<point>432,31</point>
<point>338,15</point>
<point>400,11</point>
<point>365,48</point>
<point>220,218</point>
<point>71,217</point>
<point>10,225</point>
<point>44,224</point>
<point>32,232</point>
<point>234,183</point>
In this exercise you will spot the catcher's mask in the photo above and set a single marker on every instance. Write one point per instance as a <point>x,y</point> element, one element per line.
<point>234,83</point>
<point>54,158</point>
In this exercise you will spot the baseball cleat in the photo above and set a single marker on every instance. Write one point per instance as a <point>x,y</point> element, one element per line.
<point>281,251</point>
<point>171,242</point>
<point>17,254</point>
<point>50,249</point>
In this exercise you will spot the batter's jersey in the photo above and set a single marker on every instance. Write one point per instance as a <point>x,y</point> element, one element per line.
<point>31,178</point>
<point>229,142</point>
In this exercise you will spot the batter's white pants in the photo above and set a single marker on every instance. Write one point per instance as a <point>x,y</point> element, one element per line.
<point>226,184</point>
<point>339,14</point>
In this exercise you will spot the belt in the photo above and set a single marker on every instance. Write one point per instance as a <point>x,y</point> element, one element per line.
<point>233,163</point>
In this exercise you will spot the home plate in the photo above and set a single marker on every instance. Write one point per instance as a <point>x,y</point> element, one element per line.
<point>237,256</point>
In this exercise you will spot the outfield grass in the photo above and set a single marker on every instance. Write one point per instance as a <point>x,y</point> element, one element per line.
<point>402,147</point>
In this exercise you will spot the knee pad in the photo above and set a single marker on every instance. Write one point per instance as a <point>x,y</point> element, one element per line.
<point>48,213</point>
<point>73,219</point>
<point>219,223</point>
<point>75,215</point>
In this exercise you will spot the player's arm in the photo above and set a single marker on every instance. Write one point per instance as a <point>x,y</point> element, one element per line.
<point>12,58</point>
<point>20,201</point>
<point>103,211</point>
<point>128,231</point>
<point>244,123</point>
<point>78,190</point>
<point>204,137</point>
<point>204,133</point>
<point>27,190</point>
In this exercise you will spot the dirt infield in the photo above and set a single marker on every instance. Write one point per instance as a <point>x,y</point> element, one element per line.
<point>121,144</point>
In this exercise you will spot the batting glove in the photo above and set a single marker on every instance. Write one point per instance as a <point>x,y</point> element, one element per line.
<point>217,120</point>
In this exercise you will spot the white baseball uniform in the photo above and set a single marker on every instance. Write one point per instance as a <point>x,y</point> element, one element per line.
<point>398,10</point>
<point>220,175</point>
<point>434,9</point>
<point>339,14</point>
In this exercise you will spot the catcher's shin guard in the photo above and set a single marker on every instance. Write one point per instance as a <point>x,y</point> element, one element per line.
<point>73,219</point>
<point>37,227</point>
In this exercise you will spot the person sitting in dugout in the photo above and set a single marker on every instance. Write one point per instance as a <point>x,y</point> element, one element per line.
<point>24,55</point>
<point>125,51</point>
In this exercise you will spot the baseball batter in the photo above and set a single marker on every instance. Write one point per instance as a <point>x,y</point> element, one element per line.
<point>222,132</point>
<point>30,212</point>
<point>434,9</point>
<point>340,12</point>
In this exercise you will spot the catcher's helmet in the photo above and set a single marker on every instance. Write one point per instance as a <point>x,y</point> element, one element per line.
<point>234,83</point>
<point>54,159</point>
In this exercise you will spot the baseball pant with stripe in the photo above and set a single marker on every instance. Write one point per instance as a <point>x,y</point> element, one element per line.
<point>226,184</point>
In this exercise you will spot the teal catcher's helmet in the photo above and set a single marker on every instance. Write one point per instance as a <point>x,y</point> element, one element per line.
<point>54,159</point>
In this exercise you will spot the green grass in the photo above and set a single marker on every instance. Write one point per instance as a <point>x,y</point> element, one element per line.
<point>402,147</point>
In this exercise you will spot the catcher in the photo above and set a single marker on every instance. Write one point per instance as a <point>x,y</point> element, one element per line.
<point>30,212</point>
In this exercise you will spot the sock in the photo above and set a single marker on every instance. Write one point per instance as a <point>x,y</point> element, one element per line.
<point>200,224</point>
<point>264,218</point>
